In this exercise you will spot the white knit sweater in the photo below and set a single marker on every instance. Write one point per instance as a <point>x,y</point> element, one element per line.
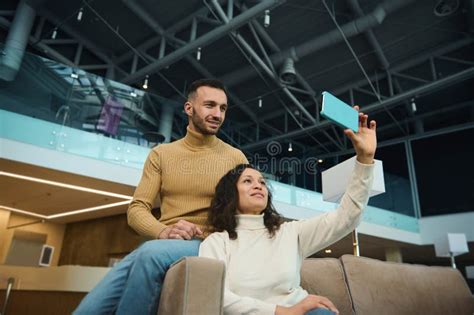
<point>263,272</point>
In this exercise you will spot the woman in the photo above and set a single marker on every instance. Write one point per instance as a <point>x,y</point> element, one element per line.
<point>263,256</point>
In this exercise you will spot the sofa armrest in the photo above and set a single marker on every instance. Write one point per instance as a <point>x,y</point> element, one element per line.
<point>193,285</point>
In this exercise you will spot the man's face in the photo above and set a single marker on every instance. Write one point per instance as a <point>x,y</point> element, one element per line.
<point>206,110</point>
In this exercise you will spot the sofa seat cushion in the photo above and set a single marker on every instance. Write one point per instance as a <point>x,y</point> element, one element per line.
<point>379,287</point>
<point>325,276</point>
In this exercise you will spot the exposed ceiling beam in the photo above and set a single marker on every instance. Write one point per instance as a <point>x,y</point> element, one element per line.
<point>202,41</point>
<point>148,19</point>
<point>97,51</point>
<point>413,62</point>
<point>169,31</point>
<point>369,34</point>
<point>248,48</point>
<point>412,137</point>
<point>387,103</point>
<point>355,27</point>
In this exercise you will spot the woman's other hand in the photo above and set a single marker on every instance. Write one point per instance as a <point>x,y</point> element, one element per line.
<point>309,303</point>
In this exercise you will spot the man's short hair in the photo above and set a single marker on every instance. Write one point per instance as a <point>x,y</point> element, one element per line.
<point>214,83</point>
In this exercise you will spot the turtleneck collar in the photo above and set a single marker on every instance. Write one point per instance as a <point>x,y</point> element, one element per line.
<point>199,141</point>
<point>250,222</point>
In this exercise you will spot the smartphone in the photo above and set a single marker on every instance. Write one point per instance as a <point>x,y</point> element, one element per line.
<point>339,112</point>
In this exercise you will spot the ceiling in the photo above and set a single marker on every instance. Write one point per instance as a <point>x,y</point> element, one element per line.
<point>62,200</point>
<point>409,64</point>
<point>412,51</point>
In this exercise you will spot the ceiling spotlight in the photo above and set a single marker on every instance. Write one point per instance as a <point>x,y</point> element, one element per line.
<point>413,105</point>
<point>320,161</point>
<point>288,72</point>
<point>260,102</point>
<point>145,83</point>
<point>290,147</point>
<point>55,33</point>
<point>79,14</point>
<point>198,54</point>
<point>266,18</point>
<point>328,251</point>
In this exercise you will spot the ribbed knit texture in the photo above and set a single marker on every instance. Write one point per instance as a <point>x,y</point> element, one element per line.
<point>183,175</point>
<point>263,272</point>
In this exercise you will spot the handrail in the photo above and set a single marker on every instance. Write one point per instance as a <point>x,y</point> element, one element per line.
<point>10,283</point>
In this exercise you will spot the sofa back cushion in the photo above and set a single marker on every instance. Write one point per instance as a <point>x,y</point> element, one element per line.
<point>379,287</point>
<point>324,276</point>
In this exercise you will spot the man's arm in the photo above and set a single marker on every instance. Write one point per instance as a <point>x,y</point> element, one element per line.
<point>139,213</point>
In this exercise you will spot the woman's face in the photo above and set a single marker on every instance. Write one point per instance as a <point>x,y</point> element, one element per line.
<point>253,192</point>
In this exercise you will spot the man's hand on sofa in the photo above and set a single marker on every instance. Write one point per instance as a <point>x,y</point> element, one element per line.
<point>183,230</point>
<point>309,303</point>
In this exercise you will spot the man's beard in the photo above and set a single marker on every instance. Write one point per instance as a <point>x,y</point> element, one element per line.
<point>200,125</point>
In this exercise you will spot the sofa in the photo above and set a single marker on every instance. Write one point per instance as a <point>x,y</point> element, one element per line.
<point>356,285</point>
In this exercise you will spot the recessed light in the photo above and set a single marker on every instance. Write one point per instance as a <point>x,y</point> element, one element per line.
<point>69,186</point>
<point>127,200</point>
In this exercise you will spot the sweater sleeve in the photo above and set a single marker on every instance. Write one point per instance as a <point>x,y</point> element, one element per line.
<point>321,231</point>
<point>139,213</point>
<point>214,247</point>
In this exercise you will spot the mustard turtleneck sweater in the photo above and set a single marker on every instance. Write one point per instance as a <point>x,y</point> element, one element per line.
<point>183,175</point>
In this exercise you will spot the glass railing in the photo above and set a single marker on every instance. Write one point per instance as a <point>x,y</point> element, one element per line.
<point>69,110</point>
<point>74,98</point>
<point>313,201</point>
<point>69,140</point>
<point>61,138</point>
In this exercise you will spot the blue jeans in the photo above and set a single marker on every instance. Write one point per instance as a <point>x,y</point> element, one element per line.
<point>320,311</point>
<point>133,286</point>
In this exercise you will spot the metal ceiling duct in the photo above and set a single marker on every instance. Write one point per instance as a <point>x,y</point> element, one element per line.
<point>17,39</point>
<point>470,14</point>
<point>355,27</point>
<point>288,72</point>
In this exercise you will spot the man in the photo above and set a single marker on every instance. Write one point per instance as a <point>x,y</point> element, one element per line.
<point>184,175</point>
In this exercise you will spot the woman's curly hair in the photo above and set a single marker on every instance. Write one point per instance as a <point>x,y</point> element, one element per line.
<point>223,208</point>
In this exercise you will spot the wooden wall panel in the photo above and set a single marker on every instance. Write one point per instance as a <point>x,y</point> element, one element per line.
<point>94,242</point>
<point>41,302</point>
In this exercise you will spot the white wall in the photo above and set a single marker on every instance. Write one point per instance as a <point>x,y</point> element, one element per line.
<point>432,228</point>
<point>71,163</point>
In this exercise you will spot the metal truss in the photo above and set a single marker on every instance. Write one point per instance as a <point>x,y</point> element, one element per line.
<point>259,34</point>
<point>396,96</point>
<point>251,136</point>
<point>206,39</point>
<point>234,132</point>
<point>50,47</point>
<point>166,37</point>
<point>70,37</point>
<point>268,63</point>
